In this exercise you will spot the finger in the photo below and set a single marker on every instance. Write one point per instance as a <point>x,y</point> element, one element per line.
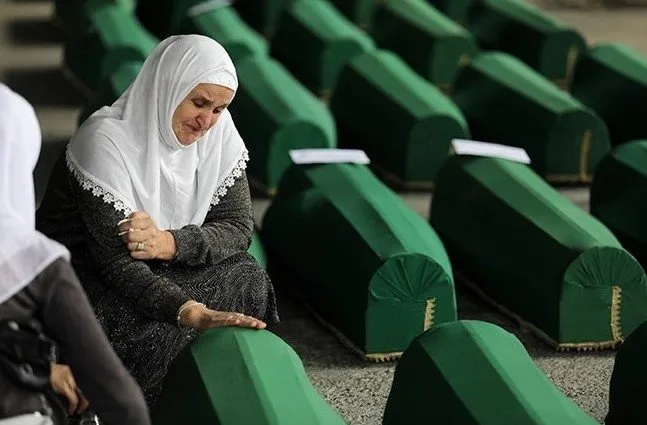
<point>141,255</point>
<point>139,214</point>
<point>136,235</point>
<point>141,223</point>
<point>83,403</point>
<point>72,399</point>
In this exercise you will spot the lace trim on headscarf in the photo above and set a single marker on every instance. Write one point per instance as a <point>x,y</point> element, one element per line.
<point>87,183</point>
<point>231,179</point>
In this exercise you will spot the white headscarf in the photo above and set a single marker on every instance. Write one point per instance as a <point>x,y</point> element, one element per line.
<point>24,252</point>
<point>128,153</point>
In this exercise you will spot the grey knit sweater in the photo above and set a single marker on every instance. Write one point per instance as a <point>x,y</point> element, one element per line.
<point>87,226</point>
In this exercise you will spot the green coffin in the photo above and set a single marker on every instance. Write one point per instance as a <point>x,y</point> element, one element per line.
<point>358,11</point>
<point>525,31</point>
<point>506,102</point>
<point>431,43</point>
<point>399,119</point>
<point>225,26</point>
<point>113,87</point>
<point>628,387</point>
<point>232,376</point>
<point>264,16</point>
<point>117,37</point>
<point>274,114</point>
<point>475,373</point>
<point>257,250</point>
<point>612,80</point>
<point>365,263</point>
<point>315,42</point>
<point>73,15</point>
<point>537,255</point>
<point>619,196</point>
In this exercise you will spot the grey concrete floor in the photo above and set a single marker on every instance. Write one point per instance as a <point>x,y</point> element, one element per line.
<point>30,58</point>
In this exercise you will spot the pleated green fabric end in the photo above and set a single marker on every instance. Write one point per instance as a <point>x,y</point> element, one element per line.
<point>225,26</point>
<point>358,11</point>
<point>543,43</point>
<point>536,255</point>
<point>618,195</point>
<point>475,373</point>
<point>73,15</point>
<point>117,37</point>
<point>363,261</point>
<point>628,388</point>
<point>507,102</point>
<point>275,114</point>
<point>315,41</point>
<point>110,89</point>
<point>233,376</point>
<point>264,16</point>
<point>421,120</point>
<point>612,80</point>
<point>432,44</point>
<point>257,250</point>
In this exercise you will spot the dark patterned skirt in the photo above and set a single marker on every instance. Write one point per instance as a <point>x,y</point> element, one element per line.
<point>147,347</point>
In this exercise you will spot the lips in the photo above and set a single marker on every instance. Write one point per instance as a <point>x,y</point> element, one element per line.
<point>193,129</point>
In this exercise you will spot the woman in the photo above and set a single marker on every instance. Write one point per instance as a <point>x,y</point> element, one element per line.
<point>153,202</point>
<point>39,291</point>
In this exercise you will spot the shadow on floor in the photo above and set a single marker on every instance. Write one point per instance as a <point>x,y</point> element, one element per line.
<point>44,87</point>
<point>34,32</point>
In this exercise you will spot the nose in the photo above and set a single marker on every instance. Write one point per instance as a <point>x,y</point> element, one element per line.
<point>203,120</point>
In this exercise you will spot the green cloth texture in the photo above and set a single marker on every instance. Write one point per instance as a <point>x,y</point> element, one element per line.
<point>619,196</point>
<point>358,11</point>
<point>257,250</point>
<point>73,15</point>
<point>432,44</point>
<point>315,41</point>
<point>458,11</point>
<point>363,261</point>
<point>235,376</point>
<point>225,26</point>
<point>612,80</point>
<point>628,387</point>
<point>112,88</point>
<point>475,373</point>
<point>117,36</point>
<point>403,123</point>
<point>274,114</point>
<point>526,32</point>
<point>507,102</point>
<point>264,16</point>
<point>536,254</point>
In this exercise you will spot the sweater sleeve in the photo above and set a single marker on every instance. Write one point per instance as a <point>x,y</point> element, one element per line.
<point>153,295</point>
<point>227,229</point>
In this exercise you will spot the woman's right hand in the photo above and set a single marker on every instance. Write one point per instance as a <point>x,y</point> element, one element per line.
<point>202,318</point>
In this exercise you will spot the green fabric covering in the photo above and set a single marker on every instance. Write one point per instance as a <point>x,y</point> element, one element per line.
<point>399,119</point>
<point>475,373</point>
<point>233,376</point>
<point>274,114</point>
<point>358,11</point>
<point>264,16</point>
<point>72,15</point>
<point>525,31</point>
<point>117,37</point>
<point>431,43</point>
<point>619,196</point>
<point>628,388</point>
<point>536,254</point>
<point>457,10</point>
<point>506,102</point>
<point>315,42</point>
<point>226,27</point>
<point>113,87</point>
<point>257,250</point>
<point>612,80</point>
<point>364,262</point>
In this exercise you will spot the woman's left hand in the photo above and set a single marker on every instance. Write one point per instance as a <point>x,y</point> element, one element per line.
<point>144,240</point>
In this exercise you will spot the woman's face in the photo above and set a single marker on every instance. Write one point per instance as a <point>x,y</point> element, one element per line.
<point>199,111</point>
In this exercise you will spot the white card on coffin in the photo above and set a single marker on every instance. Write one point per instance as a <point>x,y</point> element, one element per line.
<point>329,156</point>
<point>474,148</point>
